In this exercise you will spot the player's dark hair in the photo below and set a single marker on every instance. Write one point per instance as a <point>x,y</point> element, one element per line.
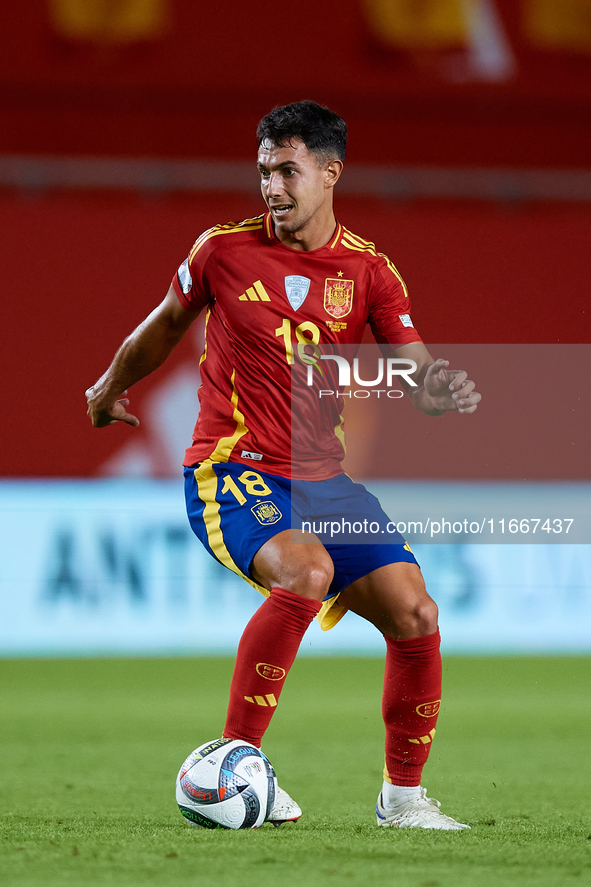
<point>320,129</point>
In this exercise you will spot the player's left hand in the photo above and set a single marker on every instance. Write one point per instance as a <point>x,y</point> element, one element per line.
<point>450,389</point>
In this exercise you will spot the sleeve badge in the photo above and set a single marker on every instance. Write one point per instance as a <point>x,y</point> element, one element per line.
<point>185,278</point>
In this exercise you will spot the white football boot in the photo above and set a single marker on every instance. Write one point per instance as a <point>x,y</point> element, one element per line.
<point>422,812</point>
<point>284,809</point>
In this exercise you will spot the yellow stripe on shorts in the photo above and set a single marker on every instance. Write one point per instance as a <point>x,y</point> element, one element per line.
<point>207,485</point>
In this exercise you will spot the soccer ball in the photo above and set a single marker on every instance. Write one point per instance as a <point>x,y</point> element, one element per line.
<point>226,783</point>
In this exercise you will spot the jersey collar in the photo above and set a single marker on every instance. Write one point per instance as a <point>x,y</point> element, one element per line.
<point>272,237</point>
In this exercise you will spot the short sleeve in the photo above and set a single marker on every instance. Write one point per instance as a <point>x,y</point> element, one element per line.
<point>190,280</point>
<point>389,307</point>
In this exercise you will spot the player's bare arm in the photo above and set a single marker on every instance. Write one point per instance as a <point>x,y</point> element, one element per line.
<point>438,389</point>
<point>141,353</point>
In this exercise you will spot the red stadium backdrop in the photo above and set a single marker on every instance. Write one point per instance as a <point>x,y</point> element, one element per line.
<point>510,84</point>
<point>184,79</point>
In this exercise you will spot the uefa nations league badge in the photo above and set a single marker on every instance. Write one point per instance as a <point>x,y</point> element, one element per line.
<point>296,288</point>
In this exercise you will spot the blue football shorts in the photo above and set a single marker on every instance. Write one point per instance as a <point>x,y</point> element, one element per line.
<point>234,510</point>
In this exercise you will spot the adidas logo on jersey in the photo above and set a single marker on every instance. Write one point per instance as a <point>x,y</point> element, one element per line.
<point>255,293</point>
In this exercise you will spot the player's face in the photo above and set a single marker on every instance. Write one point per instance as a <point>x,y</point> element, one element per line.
<point>296,186</point>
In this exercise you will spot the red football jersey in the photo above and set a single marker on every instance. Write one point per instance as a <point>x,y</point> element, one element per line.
<point>263,298</point>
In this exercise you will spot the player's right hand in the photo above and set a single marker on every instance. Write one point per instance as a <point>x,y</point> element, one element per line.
<point>103,414</point>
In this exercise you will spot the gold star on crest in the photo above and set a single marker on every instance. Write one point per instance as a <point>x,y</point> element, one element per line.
<point>340,273</point>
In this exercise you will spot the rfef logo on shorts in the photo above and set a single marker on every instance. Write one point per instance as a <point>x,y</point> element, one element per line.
<point>428,709</point>
<point>266,512</point>
<point>270,672</point>
<point>338,296</point>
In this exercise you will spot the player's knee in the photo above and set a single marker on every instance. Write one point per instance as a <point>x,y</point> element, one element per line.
<point>426,616</point>
<point>314,579</point>
<point>419,618</point>
<point>309,578</point>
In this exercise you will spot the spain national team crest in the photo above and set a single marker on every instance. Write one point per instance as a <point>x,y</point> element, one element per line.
<point>266,512</point>
<point>338,297</point>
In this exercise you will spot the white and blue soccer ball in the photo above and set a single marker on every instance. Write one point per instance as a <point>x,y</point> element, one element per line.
<point>226,783</point>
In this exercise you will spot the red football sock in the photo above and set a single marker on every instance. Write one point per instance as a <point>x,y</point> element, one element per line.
<point>266,652</point>
<point>410,705</point>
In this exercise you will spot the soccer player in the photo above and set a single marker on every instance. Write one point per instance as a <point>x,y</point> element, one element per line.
<point>296,277</point>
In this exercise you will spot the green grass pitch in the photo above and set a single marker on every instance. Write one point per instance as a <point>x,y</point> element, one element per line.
<point>89,750</point>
